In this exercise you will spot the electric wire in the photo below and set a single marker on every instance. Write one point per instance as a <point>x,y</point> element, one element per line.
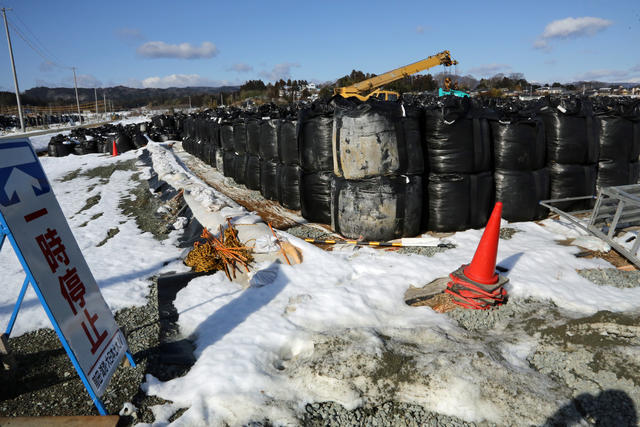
<point>34,48</point>
<point>42,46</point>
<point>37,46</point>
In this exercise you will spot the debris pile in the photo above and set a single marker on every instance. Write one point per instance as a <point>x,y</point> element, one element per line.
<point>225,253</point>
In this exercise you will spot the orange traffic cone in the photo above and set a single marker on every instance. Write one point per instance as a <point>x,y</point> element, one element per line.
<point>114,151</point>
<point>477,285</point>
<point>483,266</point>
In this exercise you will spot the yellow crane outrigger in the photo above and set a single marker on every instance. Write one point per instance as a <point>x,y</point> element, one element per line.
<point>372,85</point>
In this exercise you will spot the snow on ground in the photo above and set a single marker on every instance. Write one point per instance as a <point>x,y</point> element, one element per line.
<point>244,335</point>
<point>121,266</point>
<point>255,340</point>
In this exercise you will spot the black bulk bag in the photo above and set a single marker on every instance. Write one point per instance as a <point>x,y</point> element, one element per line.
<point>457,136</point>
<point>619,139</point>
<point>570,131</point>
<point>209,153</point>
<point>459,201</point>
<point>315,196</point>
<point>381,208</point>
<point>88,146</point>
<point>219,158</point>
<point>58,149</point>
<point>519,144</point>
<point>520,193</point>
<point>228,167</point>
<point>618,124</point>
<point>269,140</point>
<point>376,138</point>
<point>572,181</point>
<point>139,140</point>
<point>315,128</point>
<point>252,174</point>
<point>289,186</point>
<point>240,136</point>
<point>612,173</point>
<point>78,149</point>
<point>269,179</point>
<point>288,143</point>
<point>198,148</point>
<point>240,168</point>
<point>226,137</point>
<point>214,133</point>
<point>253,136</point>
<point>123,143</point>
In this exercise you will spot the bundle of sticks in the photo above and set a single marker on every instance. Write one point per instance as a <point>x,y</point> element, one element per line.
<point>224,253</point>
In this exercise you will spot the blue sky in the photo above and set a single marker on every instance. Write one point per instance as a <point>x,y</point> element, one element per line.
<point>211,43</point>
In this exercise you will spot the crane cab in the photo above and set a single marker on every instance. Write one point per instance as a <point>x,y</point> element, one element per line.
<point>384,95</point>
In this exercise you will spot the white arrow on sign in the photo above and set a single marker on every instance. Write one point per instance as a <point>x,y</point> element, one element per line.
<point>22,184</point>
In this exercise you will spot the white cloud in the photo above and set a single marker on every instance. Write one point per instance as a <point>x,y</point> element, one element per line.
<point>157,49</point>
<point>129,34</point>
<point>570,27</point>
<point>489,69</point>
<point>181,80</point>
<point>279,71</point>
<point>541,44</point>
<point>240,68</point>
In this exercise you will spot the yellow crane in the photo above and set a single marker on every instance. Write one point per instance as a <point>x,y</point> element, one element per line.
<point>371,87</point>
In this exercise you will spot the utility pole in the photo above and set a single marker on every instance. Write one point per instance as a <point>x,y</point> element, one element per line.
<point>75,84</point>
<point>95,95</point>
<point>104,101</point>
<point>13,68</point>
<point>189,101</point>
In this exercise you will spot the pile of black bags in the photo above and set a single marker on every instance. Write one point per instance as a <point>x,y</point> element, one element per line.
<point>98,140</point>
<point>382,170</point>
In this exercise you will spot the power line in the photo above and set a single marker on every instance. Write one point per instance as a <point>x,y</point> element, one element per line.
<point>34,48</point>
<point>41,45</point>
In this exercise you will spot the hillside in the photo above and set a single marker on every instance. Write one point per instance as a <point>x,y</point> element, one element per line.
<point>121,96</point>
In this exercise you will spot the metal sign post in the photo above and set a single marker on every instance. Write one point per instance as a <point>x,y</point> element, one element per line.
<point>33,222</point>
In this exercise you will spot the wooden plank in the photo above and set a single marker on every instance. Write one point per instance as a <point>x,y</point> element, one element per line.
<point>67,421</point>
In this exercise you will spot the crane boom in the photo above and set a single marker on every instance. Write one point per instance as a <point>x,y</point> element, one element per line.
<point>358,89</point>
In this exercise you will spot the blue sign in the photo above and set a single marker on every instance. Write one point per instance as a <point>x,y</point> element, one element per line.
<point>21,175</point>
<point>32,220</point>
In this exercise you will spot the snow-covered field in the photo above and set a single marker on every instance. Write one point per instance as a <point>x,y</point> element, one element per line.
<point>313,332</point>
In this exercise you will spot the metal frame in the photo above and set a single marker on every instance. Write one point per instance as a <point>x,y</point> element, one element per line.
<point>607,215</point>
<point>6,233</point>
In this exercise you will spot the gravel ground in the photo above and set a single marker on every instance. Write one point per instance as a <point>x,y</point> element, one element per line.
<point>507,233</point>
<point>47,384</point>
<point>388,414</point>
<point>612,277</point>
<point>310,232</point>
<point>44,381</point>
<point>589,363</point>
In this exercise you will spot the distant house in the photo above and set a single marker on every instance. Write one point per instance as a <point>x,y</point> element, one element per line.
<point>546,90</point>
